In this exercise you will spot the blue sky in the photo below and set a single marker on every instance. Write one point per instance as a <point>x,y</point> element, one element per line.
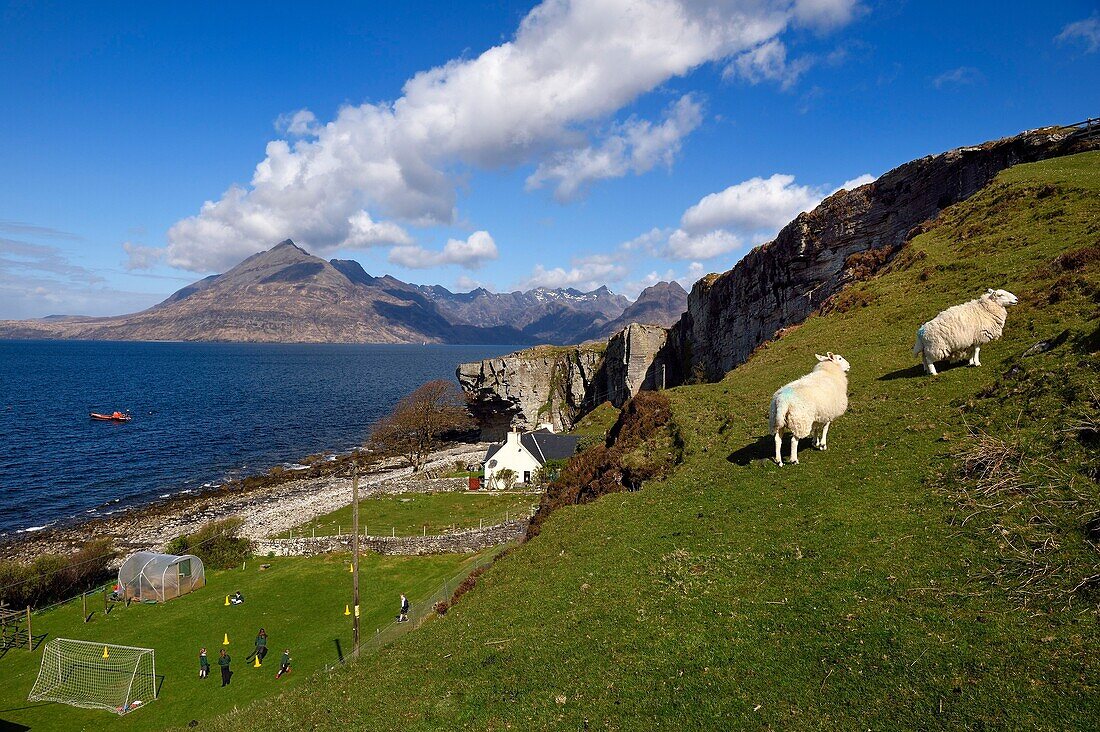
<point>499,144</point>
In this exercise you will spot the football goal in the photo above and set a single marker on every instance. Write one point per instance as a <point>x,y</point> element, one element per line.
<point>96,675</point>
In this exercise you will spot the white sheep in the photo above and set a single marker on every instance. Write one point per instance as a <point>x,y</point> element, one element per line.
<point>810,404</point>
<point>961,330</point>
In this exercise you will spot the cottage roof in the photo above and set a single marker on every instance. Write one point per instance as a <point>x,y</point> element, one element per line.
<point>544,445</point>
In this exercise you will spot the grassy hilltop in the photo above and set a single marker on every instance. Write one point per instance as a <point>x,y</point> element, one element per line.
<point>878,584</point>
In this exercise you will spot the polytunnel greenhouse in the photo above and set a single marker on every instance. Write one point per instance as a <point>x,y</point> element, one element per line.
<point>146,576</point>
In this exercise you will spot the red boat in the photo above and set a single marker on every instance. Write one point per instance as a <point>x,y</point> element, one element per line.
<point>112,417</point>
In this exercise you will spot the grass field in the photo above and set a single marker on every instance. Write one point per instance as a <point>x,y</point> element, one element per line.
<point>848,592</point>
<point>299,601</point>
<point>416,513</point>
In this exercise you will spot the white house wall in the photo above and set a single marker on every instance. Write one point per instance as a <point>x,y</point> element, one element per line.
<point>514,456</point>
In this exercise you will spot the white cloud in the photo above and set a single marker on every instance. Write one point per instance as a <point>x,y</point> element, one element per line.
<point>768,62</point>
<point>754,204</point>
<point>683,245</point>
<point>570,67</point>
<point>635,146</point>
<point>300,123</point>
<point>141,257</point>
<point>825,14</point>
<point>586,273</point>
<point>365,232</point>
<point>859,180</point>
<point>962,76</point>
<point>1085,31</point>
<point>477,249</point>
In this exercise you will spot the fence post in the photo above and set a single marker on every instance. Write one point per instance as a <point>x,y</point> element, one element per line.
<point>84,604</point>
<point>30,635</point>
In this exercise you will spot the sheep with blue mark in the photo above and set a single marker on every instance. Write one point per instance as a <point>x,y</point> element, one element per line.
<point>961,330</point>
<point>809,405</point>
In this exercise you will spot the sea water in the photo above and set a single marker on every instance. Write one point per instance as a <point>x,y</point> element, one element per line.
<point>203,413</point>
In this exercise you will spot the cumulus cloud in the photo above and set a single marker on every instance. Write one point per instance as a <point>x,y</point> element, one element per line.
<point>366,232</point>
<point>477,249</point>
<point>636,146</point>
<point>768,62</point>
<point>962,76</point>
<point>754,204</point>
<point>570,67</point>
<point>1086,32</point>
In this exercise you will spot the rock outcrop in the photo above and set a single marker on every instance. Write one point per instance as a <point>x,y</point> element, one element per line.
<point>638,358</point>
<point>529,387</point>
<point>781,283</point>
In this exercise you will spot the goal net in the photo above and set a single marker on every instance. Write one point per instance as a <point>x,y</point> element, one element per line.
<point>96,675</point>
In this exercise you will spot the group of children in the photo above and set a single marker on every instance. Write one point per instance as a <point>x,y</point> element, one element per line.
<point>224,659</point>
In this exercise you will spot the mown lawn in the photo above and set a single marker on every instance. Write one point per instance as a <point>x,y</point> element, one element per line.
<point>417,513</point>
<point>299,601</point>
<point>848,592</point>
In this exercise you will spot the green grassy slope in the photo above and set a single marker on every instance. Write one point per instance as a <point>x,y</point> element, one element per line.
<point>406,515</point>
<point>300,602</point>
<point>847,592</point>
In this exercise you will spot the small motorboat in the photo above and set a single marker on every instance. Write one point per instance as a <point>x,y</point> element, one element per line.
<point>112,417</point>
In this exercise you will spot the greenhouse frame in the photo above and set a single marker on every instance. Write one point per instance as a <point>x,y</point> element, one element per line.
<point>149,576</point>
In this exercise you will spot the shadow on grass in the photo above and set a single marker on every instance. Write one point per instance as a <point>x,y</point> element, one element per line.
<point>6,726</point>
<point>339,650</point>
<point>762,449</point>
<point>915,372</point>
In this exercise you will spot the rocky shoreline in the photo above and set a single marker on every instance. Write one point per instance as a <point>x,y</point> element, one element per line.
<point>268,504</point>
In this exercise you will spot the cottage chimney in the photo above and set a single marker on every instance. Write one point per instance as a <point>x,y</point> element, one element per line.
<point>512,438</point>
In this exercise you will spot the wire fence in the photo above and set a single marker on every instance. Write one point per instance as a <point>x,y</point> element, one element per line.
<point>333,529</point>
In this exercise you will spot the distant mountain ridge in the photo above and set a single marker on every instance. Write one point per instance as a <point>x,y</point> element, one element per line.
<point>287,295</point>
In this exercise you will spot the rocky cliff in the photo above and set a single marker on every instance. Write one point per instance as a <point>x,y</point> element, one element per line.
<point>526,388</point>
<point>780,283</point>
<point>560,385</point>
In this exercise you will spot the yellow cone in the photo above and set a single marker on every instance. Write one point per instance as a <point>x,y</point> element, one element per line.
<point>105,654</point>
<point>227,599</point>
<point>226,641</point>
<point>347,611</point>
<point>257,664</point>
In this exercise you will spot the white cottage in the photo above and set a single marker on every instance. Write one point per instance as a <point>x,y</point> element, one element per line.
<point>524,454</point>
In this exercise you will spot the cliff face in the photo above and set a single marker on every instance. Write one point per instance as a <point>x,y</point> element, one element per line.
<point>561,385</point>
<point>639,358</point>
<point>529,387</point>
<point>782,282</point>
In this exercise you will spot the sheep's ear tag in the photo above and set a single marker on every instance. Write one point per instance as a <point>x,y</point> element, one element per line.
<point>822,358</point>
<point>990,291</point>
<point>829,355</point>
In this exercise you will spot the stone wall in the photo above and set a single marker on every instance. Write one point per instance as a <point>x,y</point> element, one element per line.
<point>455,542</point>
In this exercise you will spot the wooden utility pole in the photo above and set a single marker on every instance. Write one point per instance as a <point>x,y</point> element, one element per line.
<point>355,555</point>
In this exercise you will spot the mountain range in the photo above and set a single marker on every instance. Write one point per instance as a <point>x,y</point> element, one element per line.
<point>287,295</point>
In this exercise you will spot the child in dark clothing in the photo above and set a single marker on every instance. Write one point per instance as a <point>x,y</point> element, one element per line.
<point>284,667</point>
<point>204,664</point>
